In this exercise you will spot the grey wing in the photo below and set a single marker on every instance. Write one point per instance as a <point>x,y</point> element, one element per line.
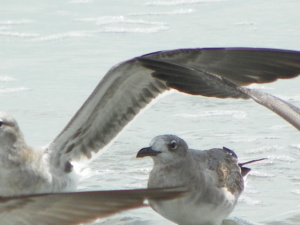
<point>75,208</point>
<point>282,108</point>
<point>198,82</point>
<point>192,81</point>
<point>129,86</point>
<point>241,66</point>
<point>120,95</point>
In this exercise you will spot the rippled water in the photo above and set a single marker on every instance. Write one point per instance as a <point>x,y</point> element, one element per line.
<point>53,53</point>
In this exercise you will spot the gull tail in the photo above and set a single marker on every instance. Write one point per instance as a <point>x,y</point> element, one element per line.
<point>246,170</point>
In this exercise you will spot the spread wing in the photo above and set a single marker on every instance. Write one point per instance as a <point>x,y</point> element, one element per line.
<point>241,66</point>
<point>75,208</point>
<point>282,108</point>
<point>129,86</point>
<point>198,82</point>
<point>193,81</point>
<point>120,95</point>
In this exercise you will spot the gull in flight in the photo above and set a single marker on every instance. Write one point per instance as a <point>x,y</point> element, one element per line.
<point>29,174</point>
<point>225,78</point>
<point>212,178</point>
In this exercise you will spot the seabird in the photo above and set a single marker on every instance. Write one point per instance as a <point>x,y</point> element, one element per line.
<point>121,94</point>
<point>213,180</point>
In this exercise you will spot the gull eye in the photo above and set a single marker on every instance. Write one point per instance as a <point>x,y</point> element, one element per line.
<point>173,145</point>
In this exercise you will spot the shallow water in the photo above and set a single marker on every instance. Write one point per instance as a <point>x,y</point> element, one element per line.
<point>56,52</point>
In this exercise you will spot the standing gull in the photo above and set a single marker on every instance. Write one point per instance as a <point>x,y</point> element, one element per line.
<point>121,94</point>
<point>212,178</point>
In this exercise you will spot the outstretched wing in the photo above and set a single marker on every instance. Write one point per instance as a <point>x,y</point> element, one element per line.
<point>75,208</point>
<point>192,81</point>
<point>129,86</point>
<point>196,82</point>
<point>241,66</point>
<point>282,108</point>
<point>120,95</point>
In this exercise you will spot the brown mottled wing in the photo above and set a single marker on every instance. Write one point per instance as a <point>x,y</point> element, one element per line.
<point>120,95</point>
<point>75,208</point>
<point>225,163</point>
<point>241,66</point>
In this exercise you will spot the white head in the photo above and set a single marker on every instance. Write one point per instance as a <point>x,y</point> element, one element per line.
<point>9,130</point>
<point>165,149</point>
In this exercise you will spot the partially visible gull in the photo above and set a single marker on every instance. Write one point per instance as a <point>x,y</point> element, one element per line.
<point>225,77</point>
<point>126,89</point>
<point>75,207</point>
<point>212,178</point>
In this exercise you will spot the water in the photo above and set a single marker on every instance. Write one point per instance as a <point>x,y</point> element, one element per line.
<point>54,53</point>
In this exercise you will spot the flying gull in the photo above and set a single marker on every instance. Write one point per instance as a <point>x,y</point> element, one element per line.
<point>225,78</point>
<point>126,89</point>
<point>212,178</point>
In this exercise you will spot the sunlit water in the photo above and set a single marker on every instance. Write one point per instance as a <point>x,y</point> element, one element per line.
<point>53,53</point>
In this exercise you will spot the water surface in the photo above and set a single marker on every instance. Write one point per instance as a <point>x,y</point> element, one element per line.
<point>53,53</point>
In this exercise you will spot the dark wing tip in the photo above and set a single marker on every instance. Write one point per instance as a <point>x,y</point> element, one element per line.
<point>231,152</point>
<point>192,81</point>
<point>245,171</point>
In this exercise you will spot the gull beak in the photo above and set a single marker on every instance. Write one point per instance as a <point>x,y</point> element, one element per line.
<point>147,152</point>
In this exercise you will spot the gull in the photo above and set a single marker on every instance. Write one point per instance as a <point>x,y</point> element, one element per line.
<point>226,78</point>
<point>122,93</point>
<point>212,178</point>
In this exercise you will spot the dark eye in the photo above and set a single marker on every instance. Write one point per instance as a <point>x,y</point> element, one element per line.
<point>173,145</point>
<point>1,123</point>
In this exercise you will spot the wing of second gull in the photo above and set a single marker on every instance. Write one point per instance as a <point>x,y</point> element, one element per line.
<point>76,207</point>
<point>128,87</point>
<point>196,82</point>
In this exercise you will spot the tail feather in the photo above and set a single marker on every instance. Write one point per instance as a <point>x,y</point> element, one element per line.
<point>246,170</point>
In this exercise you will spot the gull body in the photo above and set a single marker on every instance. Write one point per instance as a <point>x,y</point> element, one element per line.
<point>25,170</point>
<point>212,178</point>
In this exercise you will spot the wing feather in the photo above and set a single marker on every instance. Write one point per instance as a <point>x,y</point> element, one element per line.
<point>128,87</point>
<point>76,207</point>
<point>241,66</point>
<point>121,94</point>
<point>199,82</point>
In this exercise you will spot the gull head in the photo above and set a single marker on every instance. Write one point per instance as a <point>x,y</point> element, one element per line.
<point>165,149</point>
<point>9,130</point>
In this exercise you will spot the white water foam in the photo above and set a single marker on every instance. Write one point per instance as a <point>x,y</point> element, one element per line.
<point>180,2</point>
<point>13,90</point>
<point>6,79</point>
<point>174,12</point>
